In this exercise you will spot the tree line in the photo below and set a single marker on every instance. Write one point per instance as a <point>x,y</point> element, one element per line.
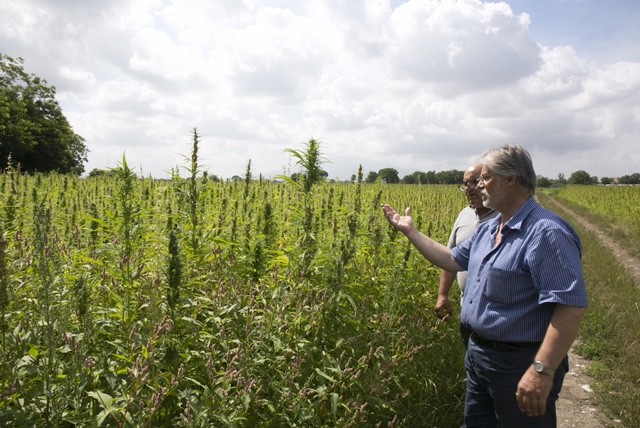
<point>454,176</point>
<point>583,177</point>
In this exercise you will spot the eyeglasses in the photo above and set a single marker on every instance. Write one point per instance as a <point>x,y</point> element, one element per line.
<point>472,184</point>
<point>483,178</point>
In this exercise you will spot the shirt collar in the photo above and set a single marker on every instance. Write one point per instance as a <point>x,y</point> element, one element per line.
<point>515,222</point>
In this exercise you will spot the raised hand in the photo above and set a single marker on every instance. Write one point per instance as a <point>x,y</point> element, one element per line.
<point>402,223</point>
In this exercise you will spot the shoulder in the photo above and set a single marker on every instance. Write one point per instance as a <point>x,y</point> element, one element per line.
<point>542,217</point>
<point>464,216</point>
<point>467,211</point>
<point>549,225</point>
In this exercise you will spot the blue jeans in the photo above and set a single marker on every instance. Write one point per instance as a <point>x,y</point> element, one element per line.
<point>492,380</point>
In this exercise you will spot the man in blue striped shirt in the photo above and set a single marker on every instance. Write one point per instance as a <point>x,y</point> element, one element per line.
<point>524,300</point>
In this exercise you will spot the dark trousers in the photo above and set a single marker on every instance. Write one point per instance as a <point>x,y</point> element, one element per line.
<point>492,380</point>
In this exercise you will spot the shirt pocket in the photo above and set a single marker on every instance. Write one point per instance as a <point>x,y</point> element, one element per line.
<point>508,287</point>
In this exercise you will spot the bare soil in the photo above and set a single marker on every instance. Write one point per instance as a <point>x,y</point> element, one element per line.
<point>576,407</point>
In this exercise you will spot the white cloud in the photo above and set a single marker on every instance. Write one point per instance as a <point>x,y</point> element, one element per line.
<point>462,46</point>
<point>422,86</point>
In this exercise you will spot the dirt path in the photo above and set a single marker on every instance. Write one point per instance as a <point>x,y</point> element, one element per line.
<point>575,407</point>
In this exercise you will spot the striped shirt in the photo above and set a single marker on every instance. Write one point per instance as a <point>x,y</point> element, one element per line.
<point>512,289</point>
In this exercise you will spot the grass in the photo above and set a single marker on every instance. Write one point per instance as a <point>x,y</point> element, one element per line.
<point>624,229</point>
<point>609,332</point>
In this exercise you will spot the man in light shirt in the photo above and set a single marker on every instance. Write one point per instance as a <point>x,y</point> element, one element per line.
<point>468,219</point>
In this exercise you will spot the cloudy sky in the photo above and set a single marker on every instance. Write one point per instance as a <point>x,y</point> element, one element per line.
<point>412,85</point>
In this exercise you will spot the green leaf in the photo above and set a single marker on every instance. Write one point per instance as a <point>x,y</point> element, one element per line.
<point>105,413</point>
<point>27,360</point>
<point>334,404</point>
<point>103,398</point>
<point>326,376</point>
<point>33,352</point>
<point>123,358</point>
<point>246,400</point>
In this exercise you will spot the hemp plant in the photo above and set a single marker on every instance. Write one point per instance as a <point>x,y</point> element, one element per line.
<point>49,297</point>
<point>10,205</point>
<point>174,266</point>
<point>4,285</point>
<point>312,174</point>
<point>194,198</point>
<point>310,161</point>
<point>127,201</point>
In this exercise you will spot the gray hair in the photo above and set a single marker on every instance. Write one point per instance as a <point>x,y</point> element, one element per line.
<point>512,160</point>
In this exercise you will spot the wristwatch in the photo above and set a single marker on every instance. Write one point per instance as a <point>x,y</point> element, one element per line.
<point>540,368</point>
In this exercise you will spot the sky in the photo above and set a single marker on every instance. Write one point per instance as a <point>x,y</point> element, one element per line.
<point>418,85</point>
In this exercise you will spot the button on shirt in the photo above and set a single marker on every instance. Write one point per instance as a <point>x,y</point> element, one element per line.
<point>512,288</point>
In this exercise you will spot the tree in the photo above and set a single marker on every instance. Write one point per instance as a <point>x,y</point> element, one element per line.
<point>371,177</point>
<point>97,172</point>
<point>606,180</point>
<point>417,177</point>
<point>630,179</point>
<point>409,179</point>
<point>453,176</point>
<point>389,175</point>
<point>543,181</point>
<point>580,177</point>
<point>33,130</point>
<point>561,179</point>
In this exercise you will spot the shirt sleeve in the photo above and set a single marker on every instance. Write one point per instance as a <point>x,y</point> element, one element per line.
<point>460,253</point>
<point>554,260</point>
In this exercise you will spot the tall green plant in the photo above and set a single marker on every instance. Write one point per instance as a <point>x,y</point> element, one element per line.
<point>194,192</point>
<point>174,266</point>
<point>4,286</point>
<point>247,185</point>
<point>348,243</point>
<point>310,161</point>
<point>49,303</point>
<point>128,206</point>
<point>10,205</point>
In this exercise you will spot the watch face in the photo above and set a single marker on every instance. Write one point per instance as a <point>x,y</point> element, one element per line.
<point>538,366</point>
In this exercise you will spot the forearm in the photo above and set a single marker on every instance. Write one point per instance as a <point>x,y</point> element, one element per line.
<point>436,253</point>
<point>560,335</point>
<point>533,389</point>
<point>446,282</point>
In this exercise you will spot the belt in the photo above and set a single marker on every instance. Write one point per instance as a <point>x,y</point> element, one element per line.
<point>502,346</point>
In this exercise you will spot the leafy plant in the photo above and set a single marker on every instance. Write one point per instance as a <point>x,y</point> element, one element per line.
<point>299,309</point>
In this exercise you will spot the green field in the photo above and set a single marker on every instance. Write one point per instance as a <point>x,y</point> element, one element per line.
<point>616,209</point>
<point>189,302</point>
<point>609,332</point>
